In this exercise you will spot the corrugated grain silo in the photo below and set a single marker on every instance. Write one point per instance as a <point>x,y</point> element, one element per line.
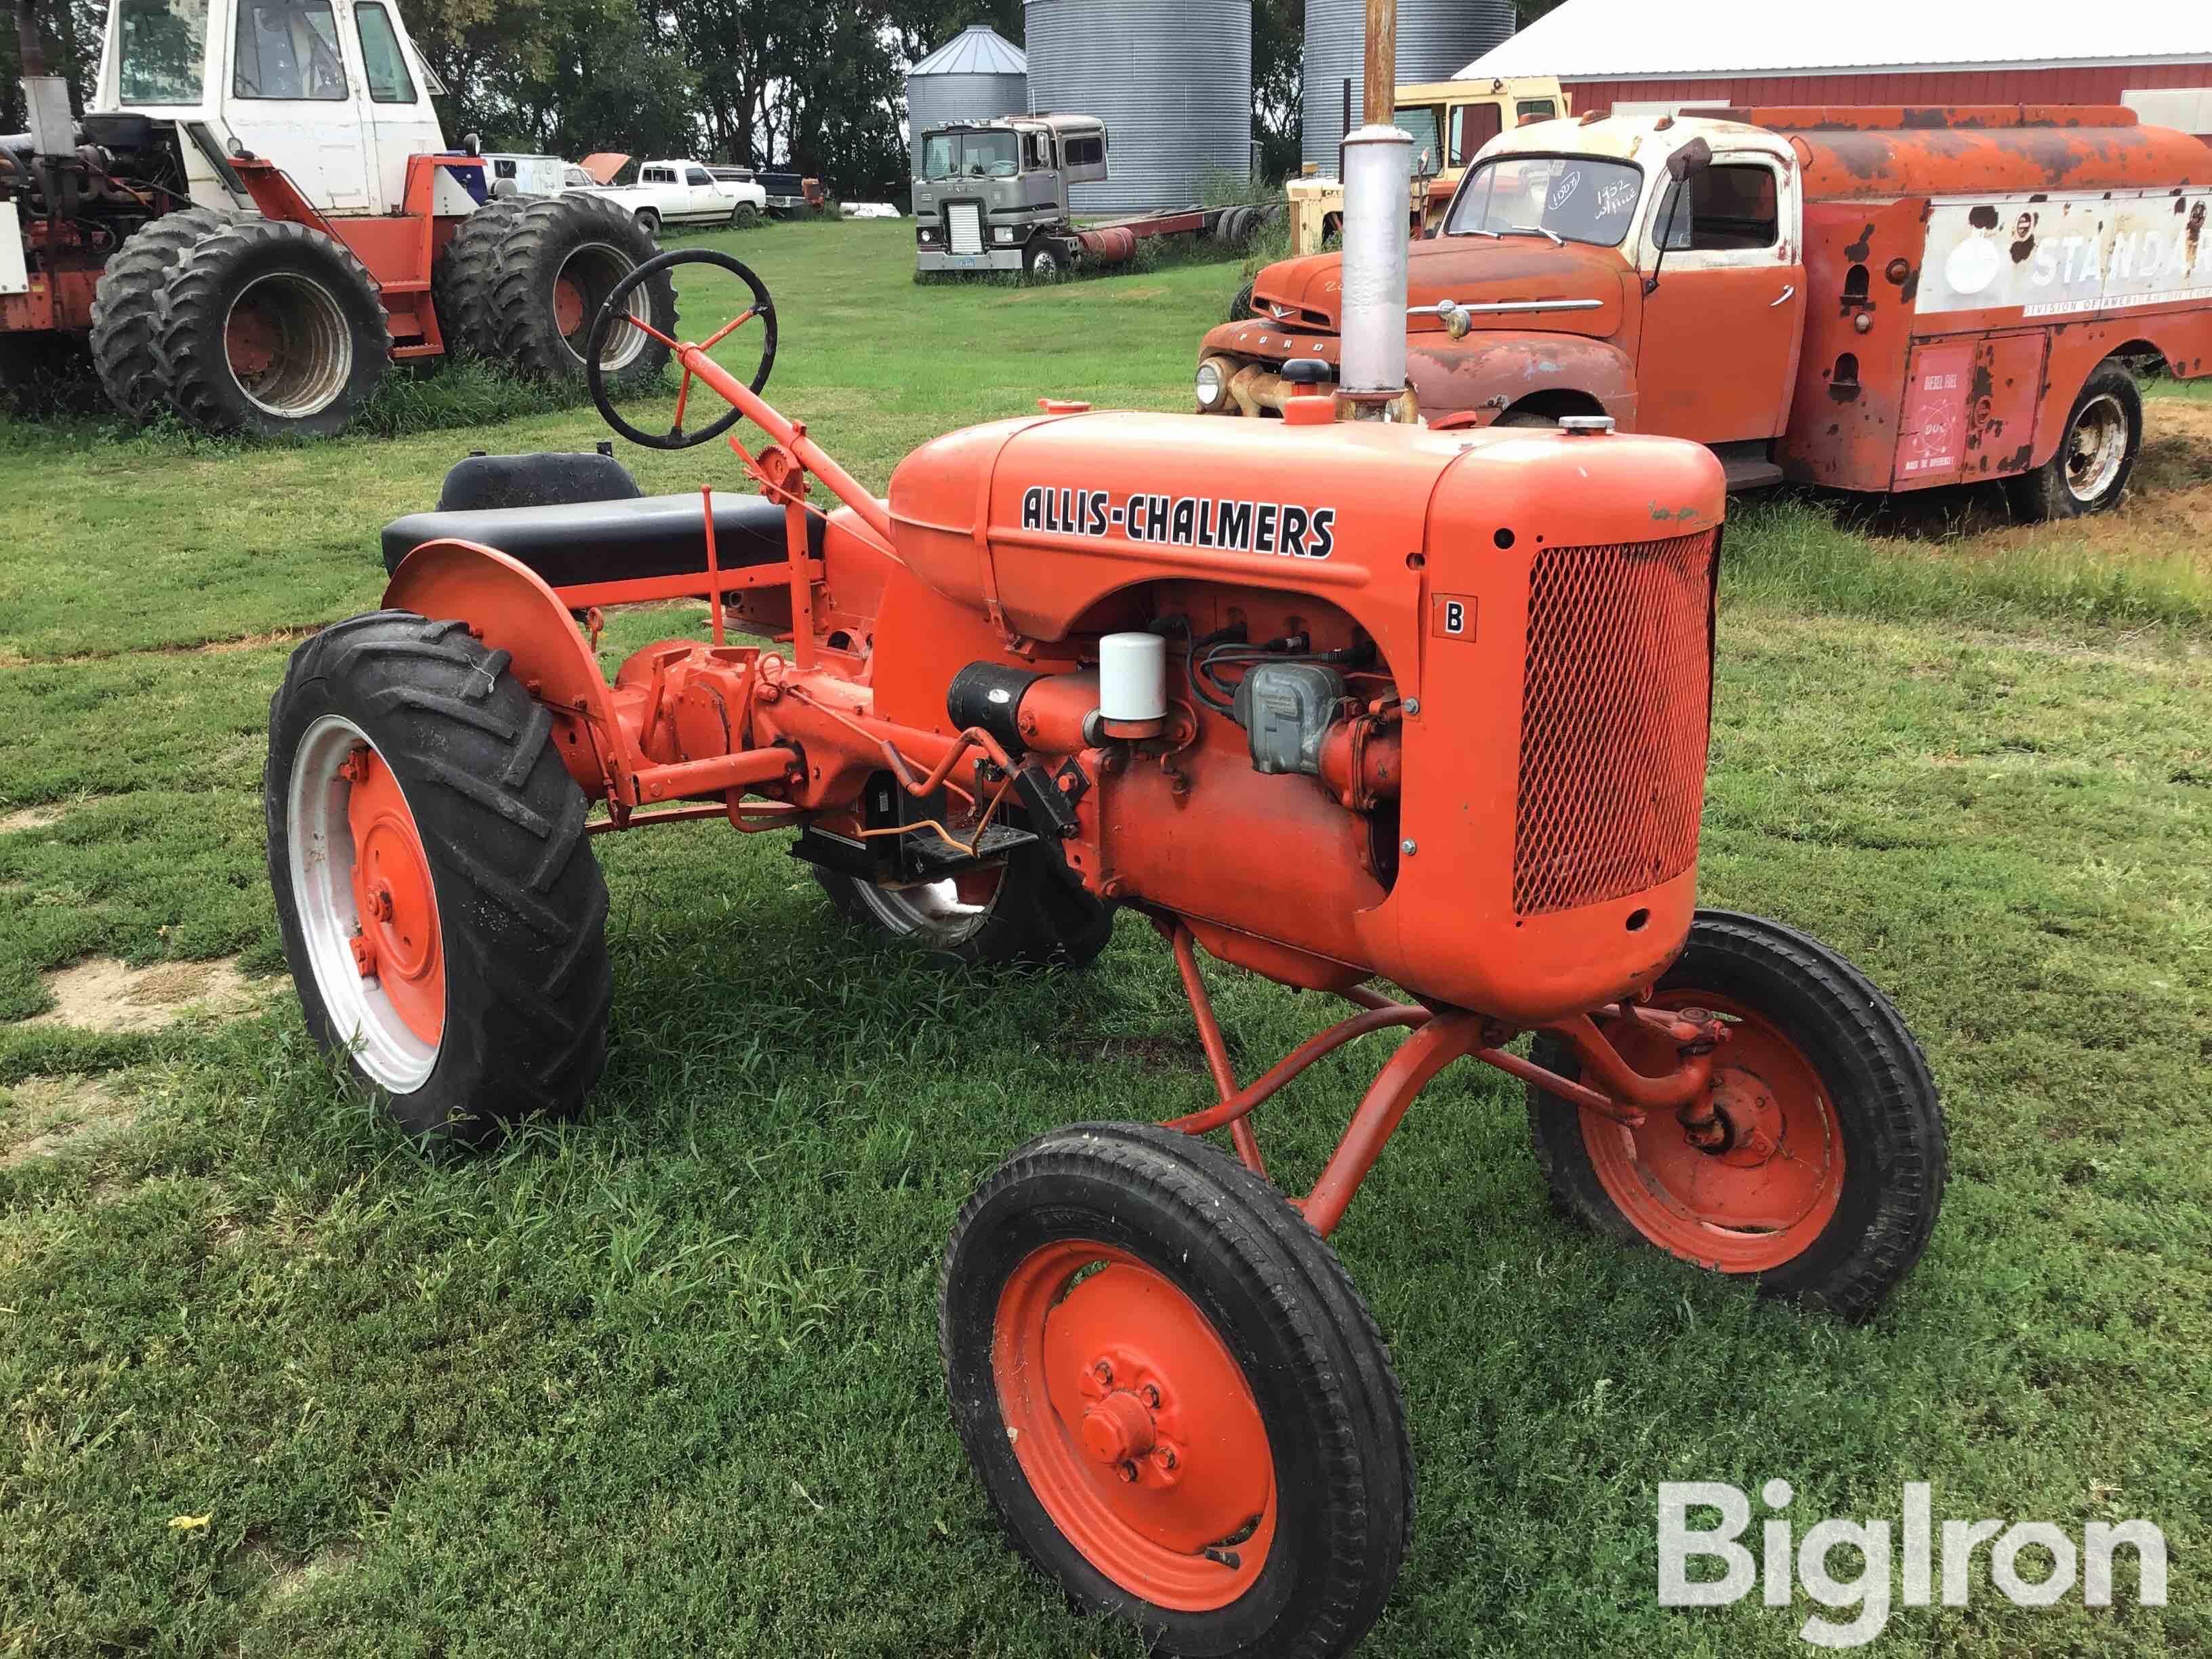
<point>975,76</point>
<point>1437,39</point>
<point>1171,79</point>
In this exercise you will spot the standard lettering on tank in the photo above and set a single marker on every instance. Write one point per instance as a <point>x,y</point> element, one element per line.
<point>1286,529</point>
<point>2067,255</point>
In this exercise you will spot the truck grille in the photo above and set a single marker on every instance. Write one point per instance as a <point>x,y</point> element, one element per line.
<point>963,223</point>
<point>1616,712</point>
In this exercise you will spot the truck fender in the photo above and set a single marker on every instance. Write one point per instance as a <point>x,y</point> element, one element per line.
<point>1490,371</point>
<point>508,606</point>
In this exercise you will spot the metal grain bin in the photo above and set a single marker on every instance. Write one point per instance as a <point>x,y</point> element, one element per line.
<point>976,76</point>
<point>1437,39</point>
<point>1172,80</point>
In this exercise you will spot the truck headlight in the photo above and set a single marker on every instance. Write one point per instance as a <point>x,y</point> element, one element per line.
<point>1209,383</point>
<point>1002,234</point>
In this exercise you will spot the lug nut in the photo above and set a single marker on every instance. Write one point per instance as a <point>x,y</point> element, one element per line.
<point>1151,1396</point>
<point>1128,1471</point>
<point>1103,1371</point>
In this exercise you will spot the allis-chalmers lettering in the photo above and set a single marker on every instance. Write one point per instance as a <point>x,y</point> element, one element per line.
<point>1232,526</point>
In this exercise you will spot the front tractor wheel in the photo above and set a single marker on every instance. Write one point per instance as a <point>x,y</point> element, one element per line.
<point>444,918</point>
<point>1175,1400</point>
<point>272,328</point>
<point>1823,1166</point>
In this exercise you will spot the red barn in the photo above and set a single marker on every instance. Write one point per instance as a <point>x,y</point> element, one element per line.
<point>1641,56</point>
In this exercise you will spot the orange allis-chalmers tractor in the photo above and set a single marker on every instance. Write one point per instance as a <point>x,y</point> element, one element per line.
<point>1331,699</point>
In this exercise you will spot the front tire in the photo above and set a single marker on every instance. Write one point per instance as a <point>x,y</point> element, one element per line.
<point>744,217</point>
<point>1175,1400</point>
<point>272,328</point>
<point>1045,261</point>
<point>2096,452</point>
<point>441,911</point>
<point>1830,1171</point>
<point>1020,915</point>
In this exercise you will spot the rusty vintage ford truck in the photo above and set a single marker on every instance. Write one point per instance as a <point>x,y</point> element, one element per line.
<point>1872,299</point>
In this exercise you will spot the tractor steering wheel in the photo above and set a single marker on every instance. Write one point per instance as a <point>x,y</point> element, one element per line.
<point>617,310</point>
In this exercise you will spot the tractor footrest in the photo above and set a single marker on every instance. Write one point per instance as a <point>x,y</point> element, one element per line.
<point>935,857</point>
<point>924,856</point>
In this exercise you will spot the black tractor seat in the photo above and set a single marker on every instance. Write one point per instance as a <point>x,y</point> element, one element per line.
<point>620,536</point>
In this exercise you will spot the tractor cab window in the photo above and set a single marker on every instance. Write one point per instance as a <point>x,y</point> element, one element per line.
<point>970,155</point>
<point>381,60</point>
<point>1579,198</point>
<point>163,50</point>
<point>1731,207</point>
<point>1423,121</point>
<point>288,51</point>
<point>1472,126</point>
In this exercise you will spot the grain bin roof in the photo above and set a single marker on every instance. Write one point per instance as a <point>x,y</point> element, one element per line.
<point>1636,40</point>
<point>976,50</point>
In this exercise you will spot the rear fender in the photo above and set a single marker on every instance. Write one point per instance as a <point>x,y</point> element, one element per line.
<point>509,607</point>
<point>1491,370</point>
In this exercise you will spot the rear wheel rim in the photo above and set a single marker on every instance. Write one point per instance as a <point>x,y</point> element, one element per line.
<point>580,287</point>
<point>1762,1197</point>
<point>1134,1425</point>
<point>287,344</point>
<point>2096,448</point>
<point>944,912</point>
<point>362,888</point>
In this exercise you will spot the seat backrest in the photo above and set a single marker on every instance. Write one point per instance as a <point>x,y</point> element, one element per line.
<point>556,479</point>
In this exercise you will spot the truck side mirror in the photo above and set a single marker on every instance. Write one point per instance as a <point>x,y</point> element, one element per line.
<point>1693,157</point>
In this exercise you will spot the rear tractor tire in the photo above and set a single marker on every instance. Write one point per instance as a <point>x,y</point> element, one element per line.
<point>1174,1397</point>
<point>461,278</point>
<point>270,328</point>
<point>126,304</point>
<point>559,258</point>
<point>1828,1175</point>
<point>1020,915</point>
<point>441,911</point>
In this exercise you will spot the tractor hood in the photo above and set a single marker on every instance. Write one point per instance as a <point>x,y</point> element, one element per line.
<point>1304,294</point>
<point>603,166</point>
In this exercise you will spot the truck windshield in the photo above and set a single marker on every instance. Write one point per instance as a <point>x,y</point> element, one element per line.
<point>1581,198</point>
<point>970,155</point>
<point>163,48</point>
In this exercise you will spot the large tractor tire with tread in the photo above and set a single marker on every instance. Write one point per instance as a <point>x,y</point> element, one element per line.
<point>559,260</point>
<point>1020,915</point>
<point>2096,454</point>
<point>272,328</point>
<point>126,306</point>
<point>462,276</point>
<point>1174,1396</point>
<point>440,908</point>
<point>1830,1169</point>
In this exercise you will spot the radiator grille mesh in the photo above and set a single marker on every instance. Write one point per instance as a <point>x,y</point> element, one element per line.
<point>965,220</point>
<point>1615,717</point>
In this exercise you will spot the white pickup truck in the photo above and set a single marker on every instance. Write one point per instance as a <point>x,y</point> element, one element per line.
<point>675,192</point>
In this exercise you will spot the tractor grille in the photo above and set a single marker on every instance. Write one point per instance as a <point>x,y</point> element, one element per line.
<point>1617,708</point>
<point>963,223</point>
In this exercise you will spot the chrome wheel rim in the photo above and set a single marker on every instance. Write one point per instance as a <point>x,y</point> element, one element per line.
<point>320,840</point>
<point>287,345</point>
<point>590,271</point>
<point>2096,448</point>
<point>933,910</point>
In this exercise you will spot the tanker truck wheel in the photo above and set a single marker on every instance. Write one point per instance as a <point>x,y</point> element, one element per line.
<point>442,914</point>
<point>1825,1180</point>
<point>559,258</point>
<point>2096,454</point>
<point>1019,914</point>
<point>272,328</point>
<point>462,274</point>
<point>1176,1401</point>
<point>126,302</point>
<point>1047,261</point>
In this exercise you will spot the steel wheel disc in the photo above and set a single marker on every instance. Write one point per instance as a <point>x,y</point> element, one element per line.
<point>287,345</point>
<point>358,872</point>
<point>1757,1201</point>
<point>946,911</point>
<point>2096,447</point>
<point>1134,1425</point>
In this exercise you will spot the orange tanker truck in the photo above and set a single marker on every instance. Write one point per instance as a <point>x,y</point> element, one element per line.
<point>1875,298</point>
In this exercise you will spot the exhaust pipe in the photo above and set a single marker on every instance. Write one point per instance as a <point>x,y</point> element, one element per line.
<point>1378,181</point>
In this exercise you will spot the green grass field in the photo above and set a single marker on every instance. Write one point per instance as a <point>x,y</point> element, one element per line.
<point>665,1379</point>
